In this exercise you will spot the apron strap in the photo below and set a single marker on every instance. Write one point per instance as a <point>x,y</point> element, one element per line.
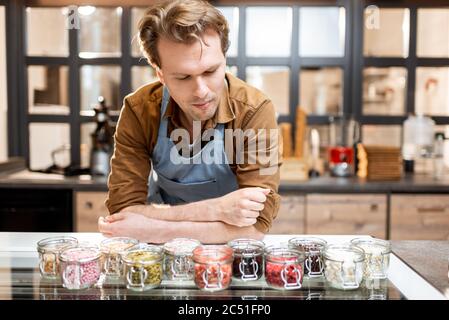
<point>163,127</point>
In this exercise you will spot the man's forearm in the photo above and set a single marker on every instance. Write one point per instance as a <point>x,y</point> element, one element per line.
<point>205,232</point>
<point>200,211</point>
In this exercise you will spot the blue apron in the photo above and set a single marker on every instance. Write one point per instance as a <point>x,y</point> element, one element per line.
<point>175,179</point>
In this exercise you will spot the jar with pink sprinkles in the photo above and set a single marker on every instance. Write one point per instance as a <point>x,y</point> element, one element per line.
<point>80,267</point>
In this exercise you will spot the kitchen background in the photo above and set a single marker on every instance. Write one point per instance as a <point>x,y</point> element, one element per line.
<point>369,63</point>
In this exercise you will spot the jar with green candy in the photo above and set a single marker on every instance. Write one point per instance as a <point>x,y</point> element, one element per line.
<point>143,267</point>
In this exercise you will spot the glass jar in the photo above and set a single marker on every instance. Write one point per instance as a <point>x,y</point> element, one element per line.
<point>313,249</point>
<point>344,265</point>
<point>178,263</point>
<point>213,267</point>
<point>143,267</point>
<point>49,250</point>
<point>248,259</point>
<point>80,267</point>
<point>377,256</point>
<point>111,250</point>
<point>284,267</point>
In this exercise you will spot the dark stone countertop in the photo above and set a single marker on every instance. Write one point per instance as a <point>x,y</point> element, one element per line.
<point>23,178</point>
<point>428,258</point>
<point>34,180</point>
<point>419,183</point>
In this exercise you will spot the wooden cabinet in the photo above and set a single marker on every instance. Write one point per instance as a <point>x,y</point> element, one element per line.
<point>290,218</point>
<point>89,207</point>
<point>420,217</point>
<point>346,214</point>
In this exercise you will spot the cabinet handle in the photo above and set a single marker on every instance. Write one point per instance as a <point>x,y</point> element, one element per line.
<point>431,209</point>
<point>374,207</point>
<point>88,205</point>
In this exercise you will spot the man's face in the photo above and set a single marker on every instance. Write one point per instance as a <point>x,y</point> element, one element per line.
<point>195,79</point>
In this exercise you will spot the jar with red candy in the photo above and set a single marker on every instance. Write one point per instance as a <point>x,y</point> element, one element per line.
<point>213,267</point>
<point>248,259</point>
<point>313,249</point>
<point>284,267</point>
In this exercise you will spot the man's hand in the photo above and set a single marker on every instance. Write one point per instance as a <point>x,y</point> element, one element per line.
<point>242,207</point>
<point>128,224</point>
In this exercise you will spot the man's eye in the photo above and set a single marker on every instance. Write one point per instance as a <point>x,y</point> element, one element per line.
<point>211,71</point>
<point>184,78</point>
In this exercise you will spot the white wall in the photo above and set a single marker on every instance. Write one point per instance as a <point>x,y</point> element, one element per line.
<point>3,89</point>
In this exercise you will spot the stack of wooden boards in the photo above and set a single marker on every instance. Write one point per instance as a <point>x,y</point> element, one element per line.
<point>294,164</point>
<point>379,163</point>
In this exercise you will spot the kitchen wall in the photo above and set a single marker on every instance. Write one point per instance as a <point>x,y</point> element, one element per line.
<point>3,88</point>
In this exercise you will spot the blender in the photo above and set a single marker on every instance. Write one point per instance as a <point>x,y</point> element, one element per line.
<point>344,134</point>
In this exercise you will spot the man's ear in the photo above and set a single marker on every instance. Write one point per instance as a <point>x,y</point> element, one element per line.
<point>159,73</point>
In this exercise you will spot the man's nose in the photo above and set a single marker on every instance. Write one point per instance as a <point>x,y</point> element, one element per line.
<point>201,89</point>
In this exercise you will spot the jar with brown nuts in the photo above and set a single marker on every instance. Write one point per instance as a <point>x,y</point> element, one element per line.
<point>49,251</point>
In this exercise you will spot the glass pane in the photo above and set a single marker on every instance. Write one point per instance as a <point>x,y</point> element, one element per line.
<point>136,15</point>
<point>274,82</point>
<point>86,142</point>
<point>232,16</point>
<point>46,138</point>
<point>3,89</point>
<point>432,94</point>
<point>47,33</point>
<point>321,32</point>
<point>386,32</point>
<point>100,81</point>
<point>321,90</point>
<point>232,70</point>
<point>384,90</point>
<point>386,135</point>
<point>141,76</point>
<point>48,89</point>
<point>99,34</point>
<point>268,31</point>
<point>429,42</point>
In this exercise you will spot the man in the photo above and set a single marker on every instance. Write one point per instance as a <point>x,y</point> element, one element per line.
<point>186,43</point>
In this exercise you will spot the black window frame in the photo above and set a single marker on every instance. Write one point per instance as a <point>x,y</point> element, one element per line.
<point>352,65</point>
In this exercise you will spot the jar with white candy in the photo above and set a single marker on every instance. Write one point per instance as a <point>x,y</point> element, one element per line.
<point>377,256</point>
<point>178,259</point>
<point>343,266</point>
<point>112,249</point>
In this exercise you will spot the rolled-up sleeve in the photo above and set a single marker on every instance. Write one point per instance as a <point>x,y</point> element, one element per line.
<point>264,172</point>
<point>130,163</point>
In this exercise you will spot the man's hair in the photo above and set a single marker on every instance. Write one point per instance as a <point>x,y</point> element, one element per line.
<point>183,21</point>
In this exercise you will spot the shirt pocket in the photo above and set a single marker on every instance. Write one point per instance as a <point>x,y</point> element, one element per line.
<point>189,192</point>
